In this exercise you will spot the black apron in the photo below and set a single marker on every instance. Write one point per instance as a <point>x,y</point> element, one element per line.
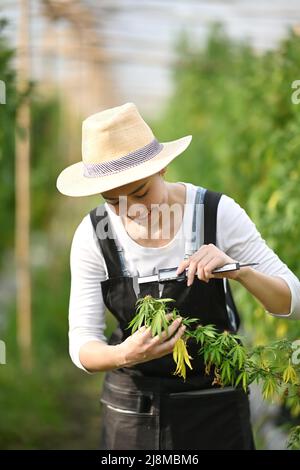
<point>146,406</point>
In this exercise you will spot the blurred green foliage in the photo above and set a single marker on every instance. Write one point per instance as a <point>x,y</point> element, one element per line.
<point>246,143</point>
<point>47,149</point>
<point>7,145</point>
<point>53,406</point>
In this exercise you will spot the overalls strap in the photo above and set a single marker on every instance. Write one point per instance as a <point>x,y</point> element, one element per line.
<point>112,253</point>
<point>204,222</point>
<point>196,238</point>
<point>211,201</point>
<point>204,229</point>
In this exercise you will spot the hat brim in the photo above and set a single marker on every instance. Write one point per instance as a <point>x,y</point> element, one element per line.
<point>72,182</point>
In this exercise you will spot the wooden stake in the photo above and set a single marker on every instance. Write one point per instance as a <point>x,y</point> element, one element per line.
<point>22,235</point>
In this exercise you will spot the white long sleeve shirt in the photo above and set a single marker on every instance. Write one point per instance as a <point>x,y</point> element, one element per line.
<point>236,235</point>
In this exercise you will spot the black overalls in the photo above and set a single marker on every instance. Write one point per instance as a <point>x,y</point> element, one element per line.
<point>145,406</point>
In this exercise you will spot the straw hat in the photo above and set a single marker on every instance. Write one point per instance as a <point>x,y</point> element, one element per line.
<point>118,147</point>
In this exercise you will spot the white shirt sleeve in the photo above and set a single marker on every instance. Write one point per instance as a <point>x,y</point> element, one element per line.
<point>86,306</point>
<point>239,238</point>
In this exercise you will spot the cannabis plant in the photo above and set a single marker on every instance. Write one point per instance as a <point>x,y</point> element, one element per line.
<point>224,354</point>
<point>152,313</point>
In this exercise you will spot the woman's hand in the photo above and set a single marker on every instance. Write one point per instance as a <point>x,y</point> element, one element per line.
<point>204,261</point>
<point>141,346</point>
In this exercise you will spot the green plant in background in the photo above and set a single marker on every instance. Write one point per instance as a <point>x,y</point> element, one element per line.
<point>246,143</point>
<point>223,352</point>
<point>36,409</point>
<point>8,132</point>
<point>294,439</point>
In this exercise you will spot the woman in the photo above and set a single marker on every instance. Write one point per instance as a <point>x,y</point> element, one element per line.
<point>133,235</point>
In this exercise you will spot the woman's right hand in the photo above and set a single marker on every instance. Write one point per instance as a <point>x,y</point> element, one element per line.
<point>141,346</point>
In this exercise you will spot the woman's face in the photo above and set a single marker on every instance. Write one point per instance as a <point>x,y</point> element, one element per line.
<point>135,200</point>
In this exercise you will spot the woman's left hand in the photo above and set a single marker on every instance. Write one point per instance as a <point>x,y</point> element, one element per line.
<point>204,261</point>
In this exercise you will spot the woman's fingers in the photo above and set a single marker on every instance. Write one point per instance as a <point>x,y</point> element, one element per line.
<point>167,346</point>
<point>191,263</point>
<point>201,267</point>
<point>192,271</point>
<point>181,267</point>
<point>203,262</point>
<point>141,329</point>
<point>147,334</point>
<point>141,346</point>
<point>213,264</point>
<point>167,334</point>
